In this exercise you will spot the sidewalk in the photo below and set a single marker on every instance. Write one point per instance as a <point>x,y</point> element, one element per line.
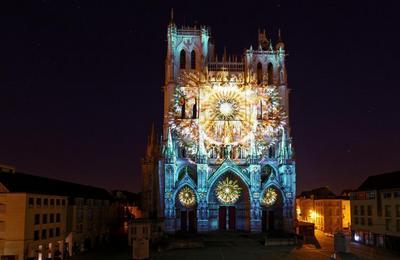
<point>356,249</point>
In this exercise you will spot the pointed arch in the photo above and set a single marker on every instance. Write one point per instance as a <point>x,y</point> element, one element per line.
<point>270,74</point>
<point>271,152</point>
<point>182,184</point>
<point>193,60</point>
<point>186,169</point>
<point>281,195</point>
<point>259,73</point>
<point>241,207</point>
<point>224,168</point>
<point>267,171</point>
<point>182,59</point>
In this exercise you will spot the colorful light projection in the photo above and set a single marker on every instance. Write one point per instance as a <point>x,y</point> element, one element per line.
<point>226,112</point>
<point>228,191</point>
<point>187,197</point>
<point>269,198</point>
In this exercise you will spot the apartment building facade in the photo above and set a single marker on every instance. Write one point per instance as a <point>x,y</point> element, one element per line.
<point>42,218</point>
<point>329,213</point>
<point>375,211</point>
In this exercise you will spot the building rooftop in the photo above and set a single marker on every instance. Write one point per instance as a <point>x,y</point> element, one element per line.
<point>127,196</point>
<point>319,193</point>
<point>389,180</point>
<point>22,182</point>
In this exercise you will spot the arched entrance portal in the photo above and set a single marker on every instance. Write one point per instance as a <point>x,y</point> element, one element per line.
<point>272,210</point>
<point>229,203</point>
<point>186,202</point>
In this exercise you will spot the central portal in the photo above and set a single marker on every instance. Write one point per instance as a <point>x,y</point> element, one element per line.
<point>268,220</point>
<point>229,203</point>
<point>188,220</point>
<point>227,218</point>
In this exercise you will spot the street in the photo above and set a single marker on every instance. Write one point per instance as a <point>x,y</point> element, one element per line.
<point>355,249</point>
<point>242,246</point>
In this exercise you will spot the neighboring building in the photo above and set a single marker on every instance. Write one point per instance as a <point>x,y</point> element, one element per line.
<point>147,229</point>
<point>375,211</point>
<point>44,218</point>
<point>329,213</point>
<point>225,160</point>
<point>128,204</point>
<point>143,233</point>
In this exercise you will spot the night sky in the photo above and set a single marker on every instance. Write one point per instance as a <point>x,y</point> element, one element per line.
<point>80,83</point>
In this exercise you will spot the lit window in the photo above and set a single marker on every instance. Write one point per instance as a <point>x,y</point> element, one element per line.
<point>371,195</point>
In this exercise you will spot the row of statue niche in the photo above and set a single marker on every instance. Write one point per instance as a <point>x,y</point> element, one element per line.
<point>225,77</point>
<point>184,115</point>
<point>227,152</point>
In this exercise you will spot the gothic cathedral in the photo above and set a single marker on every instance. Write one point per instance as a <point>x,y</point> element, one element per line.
<point>226,159</point>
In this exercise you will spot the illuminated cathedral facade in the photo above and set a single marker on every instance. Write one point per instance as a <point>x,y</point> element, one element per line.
<point>225,161</point>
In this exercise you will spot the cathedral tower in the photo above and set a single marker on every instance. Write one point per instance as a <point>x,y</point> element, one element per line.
<point>227,160</point>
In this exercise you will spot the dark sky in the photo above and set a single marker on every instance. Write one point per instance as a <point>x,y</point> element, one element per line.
<point>80,83</point>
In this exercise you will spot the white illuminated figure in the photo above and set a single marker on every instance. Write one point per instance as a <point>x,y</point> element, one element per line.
<point>225,109</point>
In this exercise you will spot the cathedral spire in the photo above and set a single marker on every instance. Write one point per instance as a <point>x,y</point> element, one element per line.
<point>151,143</point>
<point>152,135</point>
<point>262,39</point>
<point>169,151</point>
<point>270,45</point>
<point>284,149</point>
<point>253,148</point>
<point>171,21</point>
<point>279,44</point>
<point>201,151</point>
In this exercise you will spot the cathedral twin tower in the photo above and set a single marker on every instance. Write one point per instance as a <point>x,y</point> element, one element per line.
<point>226,161</point>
